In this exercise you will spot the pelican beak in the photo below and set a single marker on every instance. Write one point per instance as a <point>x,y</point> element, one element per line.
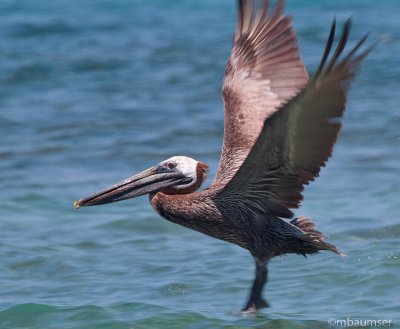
<point>147,181</point>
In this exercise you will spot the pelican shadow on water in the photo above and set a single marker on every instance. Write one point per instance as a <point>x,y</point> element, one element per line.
<point>279,130</point>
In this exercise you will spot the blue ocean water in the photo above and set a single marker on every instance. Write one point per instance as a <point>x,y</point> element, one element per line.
<point>96,90</point>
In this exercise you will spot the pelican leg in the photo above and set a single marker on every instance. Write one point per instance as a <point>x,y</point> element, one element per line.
<point>256,301</point>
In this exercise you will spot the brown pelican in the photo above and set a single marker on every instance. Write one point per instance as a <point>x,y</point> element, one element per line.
<point>279,130</point>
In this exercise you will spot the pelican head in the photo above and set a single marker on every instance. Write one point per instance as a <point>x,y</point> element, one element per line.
<point>176,175</point>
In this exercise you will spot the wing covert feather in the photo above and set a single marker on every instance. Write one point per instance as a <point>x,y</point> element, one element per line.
<point>263,71</point>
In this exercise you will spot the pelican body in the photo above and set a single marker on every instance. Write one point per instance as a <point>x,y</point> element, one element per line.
<point>279,130</point>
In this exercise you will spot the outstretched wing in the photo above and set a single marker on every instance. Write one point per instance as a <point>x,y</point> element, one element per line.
<point>263,71</point>
<point>296,141</point>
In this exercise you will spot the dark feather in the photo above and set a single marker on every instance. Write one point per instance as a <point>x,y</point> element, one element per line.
<point>327,48</point>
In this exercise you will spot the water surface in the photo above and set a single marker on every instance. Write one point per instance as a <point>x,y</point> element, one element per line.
<point>94,91</point>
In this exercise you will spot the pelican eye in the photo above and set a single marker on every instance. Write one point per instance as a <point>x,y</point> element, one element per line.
<point>171,165</point>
